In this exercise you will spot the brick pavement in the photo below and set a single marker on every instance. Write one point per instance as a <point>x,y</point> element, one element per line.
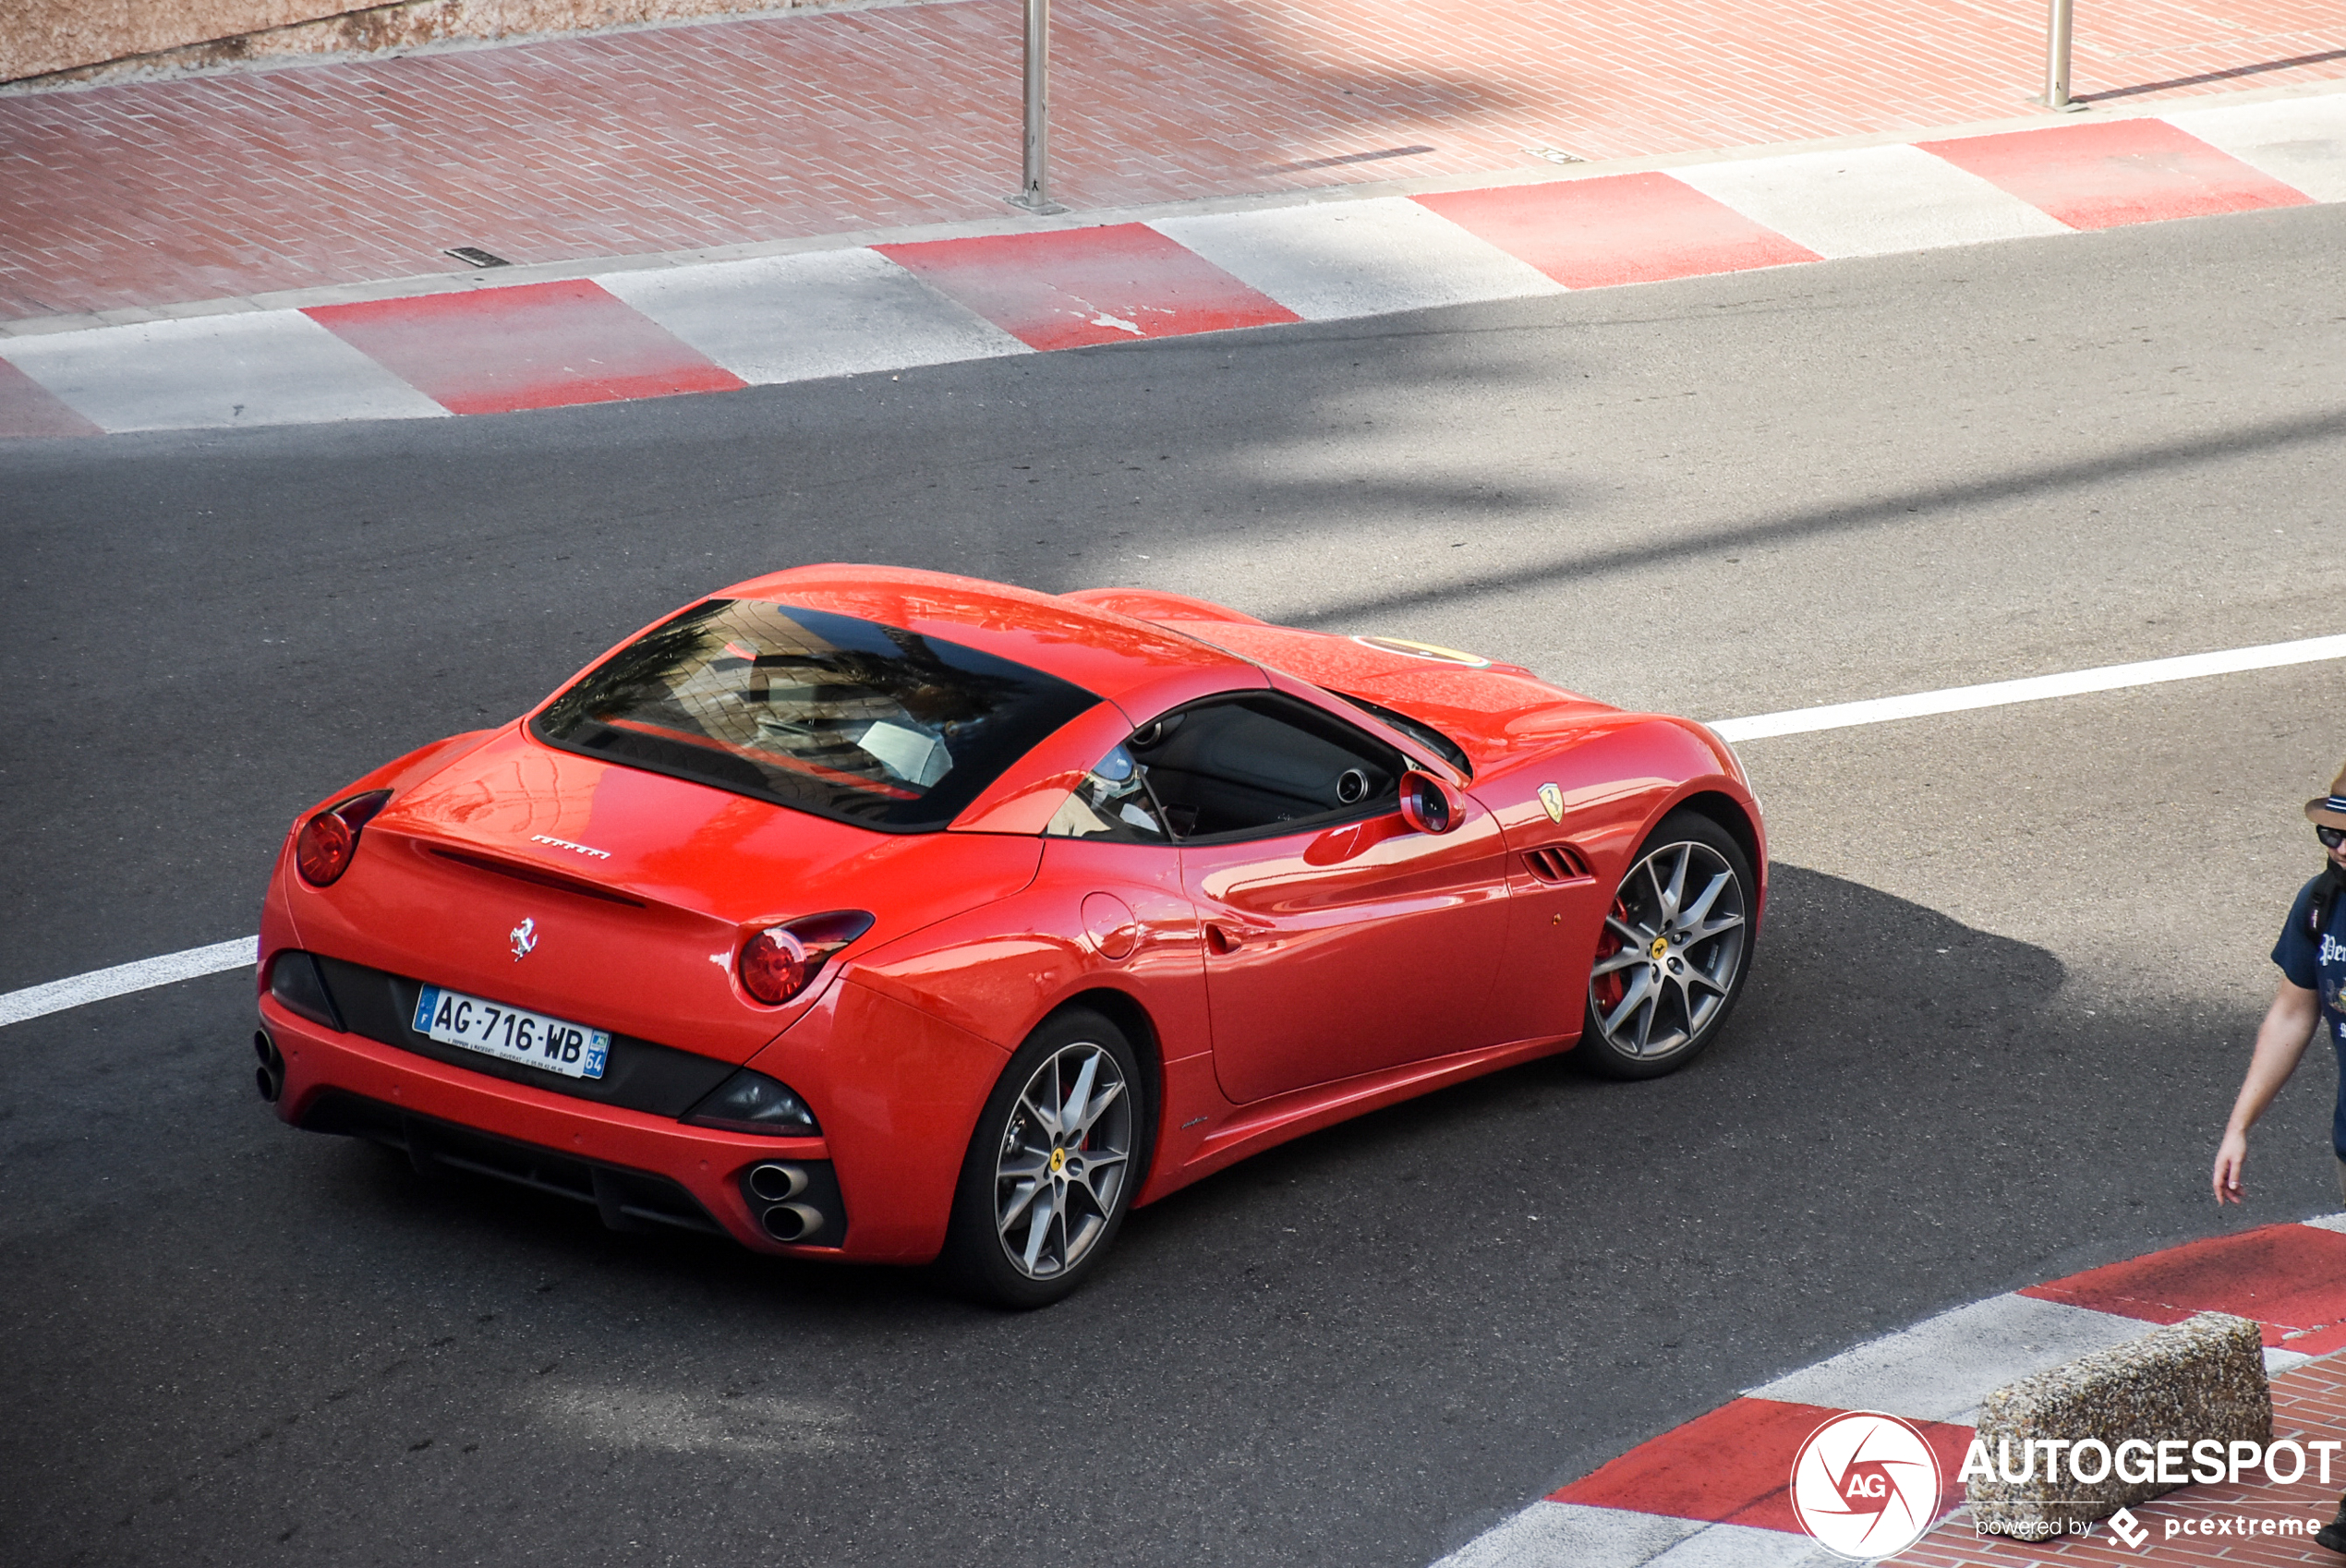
<point>694,135</point>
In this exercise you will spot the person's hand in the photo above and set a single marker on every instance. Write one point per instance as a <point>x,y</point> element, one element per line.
<point>2231,1154</point>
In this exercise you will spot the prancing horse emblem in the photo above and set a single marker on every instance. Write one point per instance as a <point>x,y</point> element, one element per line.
<point>525,938</point>
<point>1553,799</point>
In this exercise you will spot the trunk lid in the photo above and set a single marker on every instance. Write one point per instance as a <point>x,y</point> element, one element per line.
<point>614,897</point>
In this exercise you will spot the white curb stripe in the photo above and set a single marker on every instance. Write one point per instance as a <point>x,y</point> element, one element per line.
<point>204,372</point>
<point>2299,143</point>
<point>819,313</point>
<point>1871,202</point>
<point>57,994</point>
<point>2036,688</point>
<point>1746,1546</point>
<point>1549,1533</point>
<point>120,980</point>
<point>1341,259</point>
<point>1941,1369</point>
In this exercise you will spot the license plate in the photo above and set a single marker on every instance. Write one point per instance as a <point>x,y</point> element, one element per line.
<point>512,1034</point>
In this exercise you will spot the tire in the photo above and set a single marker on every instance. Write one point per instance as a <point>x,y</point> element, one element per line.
<point>1038,1209</point>
<point>1676,949</point>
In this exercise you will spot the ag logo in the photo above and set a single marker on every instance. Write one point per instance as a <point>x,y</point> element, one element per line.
<point>525,939</point>
<point>1552,799</point>
<point>1866,1486</point>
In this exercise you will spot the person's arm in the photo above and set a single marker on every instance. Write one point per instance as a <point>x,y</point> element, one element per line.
<point>2280,1044</point>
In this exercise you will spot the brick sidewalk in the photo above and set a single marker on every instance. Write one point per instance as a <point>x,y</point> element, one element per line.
<point>687,137</point>
<point>2307,1401</point>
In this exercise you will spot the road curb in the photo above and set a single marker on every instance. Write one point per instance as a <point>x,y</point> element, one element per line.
<point>1714,1490</point>
<point>517,338</point>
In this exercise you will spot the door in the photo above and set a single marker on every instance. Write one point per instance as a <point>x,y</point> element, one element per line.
<point>1338,941</point>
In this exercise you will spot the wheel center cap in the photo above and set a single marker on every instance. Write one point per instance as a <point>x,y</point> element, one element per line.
<point>1660,950</point>
<point>1059,1160</point>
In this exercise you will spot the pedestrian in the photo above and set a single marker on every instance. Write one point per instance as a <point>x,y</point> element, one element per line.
<point>2312,956</point>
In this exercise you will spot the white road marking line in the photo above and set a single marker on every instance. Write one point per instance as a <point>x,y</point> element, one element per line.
<point>120,980</point>
<point>15,1006</point>
<point>2036,688</point>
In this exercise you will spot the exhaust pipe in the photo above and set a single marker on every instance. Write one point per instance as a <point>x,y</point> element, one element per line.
<point>792,1222</point>
<point>777,1183</point>
<point>270,1077</point>
<point>778,1186</point>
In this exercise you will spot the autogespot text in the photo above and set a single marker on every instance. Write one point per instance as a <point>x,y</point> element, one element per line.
<point>2139,1462</point>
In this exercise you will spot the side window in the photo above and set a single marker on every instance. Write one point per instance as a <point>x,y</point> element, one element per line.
<point>1112,802</point>
<point>1265,763</point>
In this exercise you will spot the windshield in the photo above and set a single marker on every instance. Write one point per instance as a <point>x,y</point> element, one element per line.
<point>825,713</point>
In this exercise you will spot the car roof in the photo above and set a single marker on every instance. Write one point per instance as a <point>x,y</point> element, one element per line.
<point>1112,655</point>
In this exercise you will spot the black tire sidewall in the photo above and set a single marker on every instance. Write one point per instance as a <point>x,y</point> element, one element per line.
<point>1680,827</point>
<point>973,1259</point>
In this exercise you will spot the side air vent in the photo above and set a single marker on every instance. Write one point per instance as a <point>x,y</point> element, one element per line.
<point>1557,862</point>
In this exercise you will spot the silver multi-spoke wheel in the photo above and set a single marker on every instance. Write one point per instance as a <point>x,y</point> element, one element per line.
<point>1065,1155</point>
<point>1672,952</point>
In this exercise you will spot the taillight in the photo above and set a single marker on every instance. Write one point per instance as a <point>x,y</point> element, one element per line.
<point>778,962</point>
<point>322,852</point>
<point>774,966</point>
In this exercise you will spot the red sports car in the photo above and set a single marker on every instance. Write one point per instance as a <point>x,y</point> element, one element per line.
<point>866,913</point>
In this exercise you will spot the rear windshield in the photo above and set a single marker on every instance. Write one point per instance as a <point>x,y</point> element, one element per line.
<point>825,713</point>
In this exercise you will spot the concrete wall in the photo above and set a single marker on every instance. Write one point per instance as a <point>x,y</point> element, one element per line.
<point>72,41</point>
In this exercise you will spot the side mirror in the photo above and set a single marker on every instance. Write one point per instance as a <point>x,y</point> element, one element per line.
<point>1426,804</point>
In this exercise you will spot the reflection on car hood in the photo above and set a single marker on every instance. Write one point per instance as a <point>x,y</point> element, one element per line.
<point>1493,710</point>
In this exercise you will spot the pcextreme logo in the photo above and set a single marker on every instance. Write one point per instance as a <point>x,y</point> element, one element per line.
<point>1866,1485</point>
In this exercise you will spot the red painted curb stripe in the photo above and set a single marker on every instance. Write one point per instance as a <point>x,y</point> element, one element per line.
<point>1734,1467</point>
<point>28,409</point>
<point>2099,176</point>
<point>1074,287</point>
<point>537,345</point>
<point>2290,1278</point>
<point>1616,229</point>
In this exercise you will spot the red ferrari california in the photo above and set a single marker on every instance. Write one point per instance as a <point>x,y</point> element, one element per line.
<point>864,913</point>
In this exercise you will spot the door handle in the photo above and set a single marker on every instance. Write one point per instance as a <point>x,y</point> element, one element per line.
<point>1221,938</point>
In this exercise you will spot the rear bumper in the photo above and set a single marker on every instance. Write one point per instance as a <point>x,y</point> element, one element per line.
<point>638,1170</point>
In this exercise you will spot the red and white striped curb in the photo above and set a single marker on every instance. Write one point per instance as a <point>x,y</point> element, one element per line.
<point>1713,1493</point>
<point>720,326</point>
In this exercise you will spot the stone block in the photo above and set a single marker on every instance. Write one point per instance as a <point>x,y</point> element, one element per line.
<point>2194,1381</point>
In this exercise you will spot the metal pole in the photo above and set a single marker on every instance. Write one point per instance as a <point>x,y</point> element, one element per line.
<point>2057,58</point>
<point>1035,186</point>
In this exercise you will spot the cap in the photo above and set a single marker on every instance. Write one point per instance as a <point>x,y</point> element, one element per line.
<point>2329,811</point>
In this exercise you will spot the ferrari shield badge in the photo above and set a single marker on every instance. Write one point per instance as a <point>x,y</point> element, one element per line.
<point>1553,799</point>
<point>525,939</point>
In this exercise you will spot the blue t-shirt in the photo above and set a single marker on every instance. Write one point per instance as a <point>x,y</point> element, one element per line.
<point>2317,962</point>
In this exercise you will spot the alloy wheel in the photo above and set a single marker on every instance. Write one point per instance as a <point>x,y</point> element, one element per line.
<point>1673,946</point>
<point>1065,1155</point>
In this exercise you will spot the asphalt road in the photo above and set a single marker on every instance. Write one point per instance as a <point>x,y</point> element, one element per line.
<point>2013,959</point>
